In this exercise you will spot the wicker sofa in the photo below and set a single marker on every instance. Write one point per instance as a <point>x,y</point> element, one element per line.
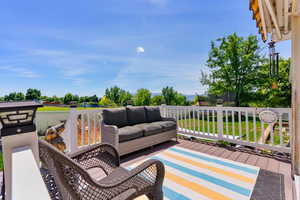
<point>131,128</point>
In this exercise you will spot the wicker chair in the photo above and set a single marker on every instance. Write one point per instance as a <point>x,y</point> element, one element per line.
<point>67,177</point>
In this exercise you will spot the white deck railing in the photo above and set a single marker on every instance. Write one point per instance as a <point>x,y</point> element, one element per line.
<point>238,125</point>
<point>82,129</point>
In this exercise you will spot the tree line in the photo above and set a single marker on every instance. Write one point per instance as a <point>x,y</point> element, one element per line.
<point>114,96</point>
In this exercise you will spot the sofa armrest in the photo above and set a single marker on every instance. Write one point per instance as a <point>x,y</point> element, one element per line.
<point>168,119</point>
<point>109,134</point>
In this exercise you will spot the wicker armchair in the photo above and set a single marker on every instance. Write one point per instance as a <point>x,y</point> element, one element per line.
<point>67,177</point>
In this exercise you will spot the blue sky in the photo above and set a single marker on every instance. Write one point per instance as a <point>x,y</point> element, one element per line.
<point>84,47</point>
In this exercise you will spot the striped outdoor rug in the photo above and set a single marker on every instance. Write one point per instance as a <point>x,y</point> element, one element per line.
<point>198,176</point>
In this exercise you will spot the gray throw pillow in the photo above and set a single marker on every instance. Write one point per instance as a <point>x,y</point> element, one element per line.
<point>153,114</point>
<point>136,115</point>
<point>117,117</point>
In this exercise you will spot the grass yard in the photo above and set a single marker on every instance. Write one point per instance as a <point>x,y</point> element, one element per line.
<point>233,128</point>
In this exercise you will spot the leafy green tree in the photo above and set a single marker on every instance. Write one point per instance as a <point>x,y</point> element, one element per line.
<point>33,94</point>
<point>20,96</point>
<point>199,98</point>
<point>114,94</point>
<point>106,102</point>
<point>169,95</point>
<point>142,97</point>
<point>1,99</point>
<point>274,91</point>
<point>68,98</point>
<point>14,96</point>
<point>93,99</point>
<point>125,98</point>
<point>181,100</point>
<point>157,100</point>
<point>234,62</point>
<point>75,98</point>
<point>83,99</point>
<point>57,99</point>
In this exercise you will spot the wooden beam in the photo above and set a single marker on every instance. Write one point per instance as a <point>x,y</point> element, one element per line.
<point>279,11</point>
<point>267,18</point>
<point>286,16</point>
<point>273,17</point>
<point>262,17</point>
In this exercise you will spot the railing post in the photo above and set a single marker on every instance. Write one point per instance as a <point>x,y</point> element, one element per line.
<point>220,121</point>
<point>163,109</point>
<point>70,134</point>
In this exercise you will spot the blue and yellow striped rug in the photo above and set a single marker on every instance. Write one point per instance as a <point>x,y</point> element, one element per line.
<point>197,176</point>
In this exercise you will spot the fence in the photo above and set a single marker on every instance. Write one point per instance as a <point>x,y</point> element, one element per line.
<point>238,125</point>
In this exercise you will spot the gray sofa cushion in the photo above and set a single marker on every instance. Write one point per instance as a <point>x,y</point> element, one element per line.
<point>153,114</point>
<point>150,129</point>
<point>128,133</point>
<point>136,115</point>
<point>116,117</point>
<point>166,125</point>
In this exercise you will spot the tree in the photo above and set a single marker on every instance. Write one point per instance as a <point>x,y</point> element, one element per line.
<point>274,91</point>
<point>234,62</point>
<point>1,99</point>
<point>169,95</point>
<point>105,101</point>
<point>14,96</point>
<point>76,98</point>
<point>199,98</point>
<point>181,100</point>
<point>20,96</point>
<point>83,99</point>
<point>142,97</point>
<point>114,94</point>
<point>93,99</point>
<point>33,94</point>
<point>125,98</point>
<point>157,100</point>
<point>68,98</point>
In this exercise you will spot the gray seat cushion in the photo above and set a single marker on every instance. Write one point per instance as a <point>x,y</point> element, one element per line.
<point>153,114</point>
<point>117,117</point>
<point>128,133</point>
<point>136,115</point>
<point>166,125</point>
<point>150,129</point>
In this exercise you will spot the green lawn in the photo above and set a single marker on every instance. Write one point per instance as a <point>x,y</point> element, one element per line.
<point>197,125</point>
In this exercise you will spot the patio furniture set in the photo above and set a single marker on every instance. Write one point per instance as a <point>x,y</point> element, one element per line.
<point>124,130</point>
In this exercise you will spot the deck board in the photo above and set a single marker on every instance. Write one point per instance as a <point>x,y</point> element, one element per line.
<point>266,163</point>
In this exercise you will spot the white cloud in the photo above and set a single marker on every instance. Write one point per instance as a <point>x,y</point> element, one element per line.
<point>140,50</point>
<point>19,71</point>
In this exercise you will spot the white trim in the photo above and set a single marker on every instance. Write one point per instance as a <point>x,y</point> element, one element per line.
<point>286,16</point>
<point>262,17</point>
<point>274,19</point>
<point>297,187</point>
<point>27,182</point>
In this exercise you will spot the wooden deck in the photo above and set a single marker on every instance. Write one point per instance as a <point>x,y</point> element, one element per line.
<point>263,162</point>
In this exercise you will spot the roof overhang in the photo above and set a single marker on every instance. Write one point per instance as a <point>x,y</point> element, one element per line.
<point>273,17</point>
